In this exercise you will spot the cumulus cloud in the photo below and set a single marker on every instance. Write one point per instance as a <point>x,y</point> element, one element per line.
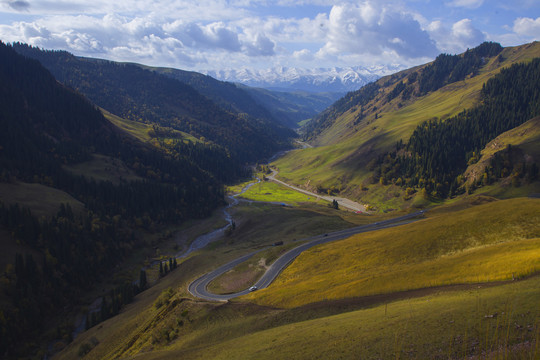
<point>459,37</point>
<point>469,4</point>
<point>527,27</point>
<point>214,35</point>
<point>260,45</point>
<point>303,55</point>
<point>374,28</point>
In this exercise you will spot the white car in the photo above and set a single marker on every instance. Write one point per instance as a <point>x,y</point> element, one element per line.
<point>253,288</point>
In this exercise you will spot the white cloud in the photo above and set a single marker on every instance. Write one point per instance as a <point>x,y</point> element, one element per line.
<point>211,36</point>
<point>259,45</point>
<point>461,36</point>
<point>527,27</point>
<point>303,55</point>
<point>469,4</point>
<point>376,28</point>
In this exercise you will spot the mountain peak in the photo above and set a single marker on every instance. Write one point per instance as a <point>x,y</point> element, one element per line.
<point>334,79</point>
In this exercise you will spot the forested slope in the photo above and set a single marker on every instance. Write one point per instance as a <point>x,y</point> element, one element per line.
<point>46,128</point>
<point>129,91</point>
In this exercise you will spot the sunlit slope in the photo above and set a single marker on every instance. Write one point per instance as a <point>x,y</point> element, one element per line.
<point>451,325</point>
<point>495,241</point>
<point>525,137</point>
<point>345,148</point>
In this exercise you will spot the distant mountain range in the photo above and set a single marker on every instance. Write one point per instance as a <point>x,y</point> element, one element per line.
<point>312,80</point>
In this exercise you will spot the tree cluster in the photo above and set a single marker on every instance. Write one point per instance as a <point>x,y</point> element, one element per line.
<point>167,266</point>
<point>447,69</point>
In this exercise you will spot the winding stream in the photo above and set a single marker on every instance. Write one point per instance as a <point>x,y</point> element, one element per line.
<point>211,236</point>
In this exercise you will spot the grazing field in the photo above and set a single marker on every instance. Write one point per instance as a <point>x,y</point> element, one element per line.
<point>43,201</point>
<point>271,192</point>
<point>104,168</point>
<point>479,244</point>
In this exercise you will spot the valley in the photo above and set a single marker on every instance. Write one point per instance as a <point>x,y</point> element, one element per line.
<point>147,202</point>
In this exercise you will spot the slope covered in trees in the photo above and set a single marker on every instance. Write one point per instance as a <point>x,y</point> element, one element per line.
<point>449,109</point>
<point>134,93</point>
<point>47,126</point>
<point>438,151</point>
<point>227,95</point>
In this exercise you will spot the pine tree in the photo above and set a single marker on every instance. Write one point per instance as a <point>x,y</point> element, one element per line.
<point>142,280</point>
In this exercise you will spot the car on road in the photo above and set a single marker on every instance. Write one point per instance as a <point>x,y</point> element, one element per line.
<point>253,288</point>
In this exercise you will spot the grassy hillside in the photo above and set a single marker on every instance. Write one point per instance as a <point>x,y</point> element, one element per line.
<point>443,322</point>
<point>476,240</point>
<point>358,134</point>
<point>479,322</point>
<point>524,143</point>
<point>479,244</point>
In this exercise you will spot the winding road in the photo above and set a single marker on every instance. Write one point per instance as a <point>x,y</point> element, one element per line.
<point>199,287</point>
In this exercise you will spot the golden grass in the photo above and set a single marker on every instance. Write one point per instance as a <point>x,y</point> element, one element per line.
<point>474,245</point>
<point>137,129</point>
<point>140,130</point>
<point>494,322</point>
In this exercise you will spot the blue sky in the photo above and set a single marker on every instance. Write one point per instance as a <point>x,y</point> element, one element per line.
<point>260,34</point>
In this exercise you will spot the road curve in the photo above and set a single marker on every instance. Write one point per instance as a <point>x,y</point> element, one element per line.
<point>198,288</point>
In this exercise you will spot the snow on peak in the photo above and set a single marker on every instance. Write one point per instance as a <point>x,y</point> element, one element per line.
<point>313,80</point>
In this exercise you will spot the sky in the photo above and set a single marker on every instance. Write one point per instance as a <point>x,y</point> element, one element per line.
<point>261,34</point>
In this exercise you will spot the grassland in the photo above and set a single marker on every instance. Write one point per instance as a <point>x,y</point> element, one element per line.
<point>141,130</point>
<point>43,201</point>
<point>479,244</point>
<point>104,168</point>
<point>267,191</point>
<point>491,323</point>
<point>501,321</point>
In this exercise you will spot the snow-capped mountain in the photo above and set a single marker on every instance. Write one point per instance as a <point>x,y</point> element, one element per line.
<point>312,80</point>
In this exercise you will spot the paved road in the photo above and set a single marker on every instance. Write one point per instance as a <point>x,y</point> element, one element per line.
<point>198,287</point>
<point>343,202</point>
